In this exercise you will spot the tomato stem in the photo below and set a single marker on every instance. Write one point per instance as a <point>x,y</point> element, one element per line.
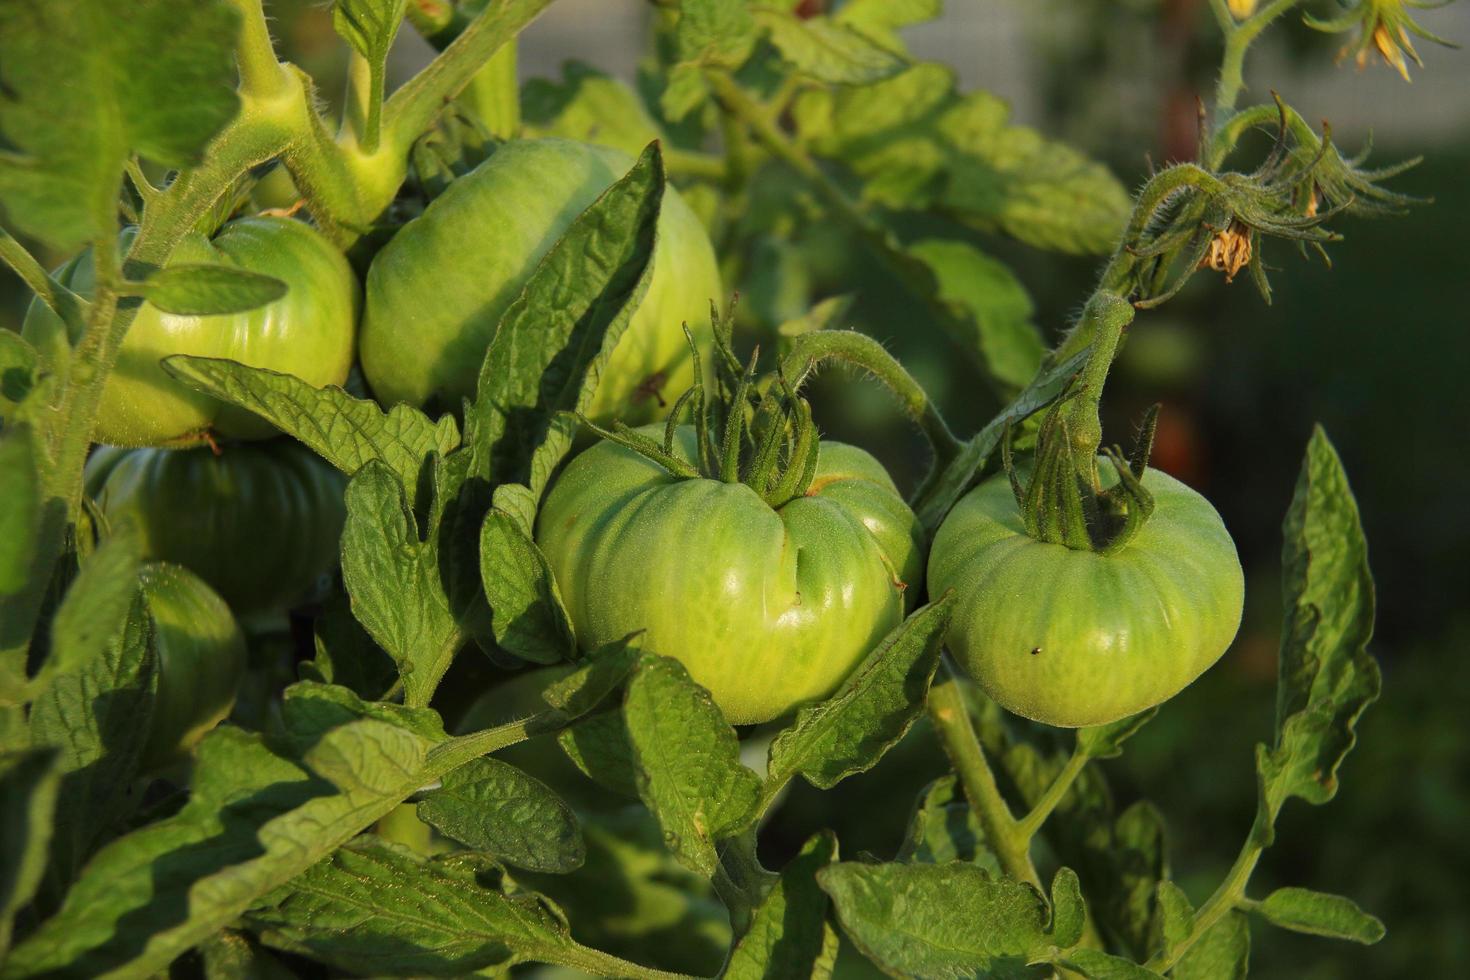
<point>946,706</point>
<point>1028,826</point>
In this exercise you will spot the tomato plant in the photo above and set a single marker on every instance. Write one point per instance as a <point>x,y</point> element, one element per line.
<point>308,332</point>
<point>200,661</point>
<point>258,521</point>
<point>535,619</point>
<point>436,292</point>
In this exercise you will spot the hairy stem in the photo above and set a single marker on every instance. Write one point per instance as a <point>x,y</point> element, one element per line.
<point>600,964</point>
<point>412,108</point>
<point>951,720</point>
<point>863,352</point>
<point>260,70</point>
<point>1238,38</point>
<point>62,301</point>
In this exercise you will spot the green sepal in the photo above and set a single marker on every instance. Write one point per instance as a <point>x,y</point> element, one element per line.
<point>1064,503</point>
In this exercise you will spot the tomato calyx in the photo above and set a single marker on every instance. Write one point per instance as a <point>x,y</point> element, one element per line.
<point>758,432</point>
<point>1064,501</point>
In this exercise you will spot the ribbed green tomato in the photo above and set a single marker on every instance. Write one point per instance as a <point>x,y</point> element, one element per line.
<point>201,661</point>
<point>767,608</point>
<point>1076,638</point>
<point>259,522</point>
<point>309,332</point>
<point>437,290</point>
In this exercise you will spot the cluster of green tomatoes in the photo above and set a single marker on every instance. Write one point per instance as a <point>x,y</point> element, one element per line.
<point>770,583</point>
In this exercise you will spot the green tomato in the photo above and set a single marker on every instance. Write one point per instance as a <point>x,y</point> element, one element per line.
<point>1075,638</point>
<point>437,290</point>
<point>767,608</point>
<point>259,522</point>
<point>309,332</point>
<point>201,661</point>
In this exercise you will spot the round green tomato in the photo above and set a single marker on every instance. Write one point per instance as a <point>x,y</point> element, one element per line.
<point>309,332</point>
<point>259,522</point>
<point>437,290</point>
<point>201,661</point>
<point>1075,638</point>
<point>766,608</point>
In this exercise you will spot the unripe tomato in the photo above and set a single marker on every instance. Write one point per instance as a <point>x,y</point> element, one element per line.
<point>259,522</point>
<point>309,332</point>
<point>1076,638</point>
<point>436,292</point>
<point>201,661</point>
<point>767,608</point>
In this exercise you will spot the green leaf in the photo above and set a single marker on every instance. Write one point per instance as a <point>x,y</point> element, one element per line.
<point>850,731</point>
<point>96,712</point>
<point>942,921</point>
<point>549,347</point>
<point>944,828</point>
<point>881,16</point>
<point>1320,914</point>
<point>689,770</point>
<point>202,290</point>
<point>602,672</point>
<point>29,780</point>
<point>517,500</point>
<point>1222,953</point>
<point>1012,179</point>
<point>526,611</point>
<point>919,144</point>
<point>1106,741</point>
<point>346,431</point>
<point>369,26</point>
<point>686,91</point>
<point>1327,677</point>
<point>718,33</point>
<point>20,516</point>
<point>493,807</point>
<point>1069,912</point>
<point>447,917</point>
<point>789,935</point>
<point>310,709</point>
<point>985,294</point>
<point>601,747</point>
<point>87,84</point>
<point>829,51</point>
<point>590,107</point>
<point>1098,965</point>
<point>97,604</point>
<point>254,821</point>
<point>395,582</point>
<point>1176,913</point>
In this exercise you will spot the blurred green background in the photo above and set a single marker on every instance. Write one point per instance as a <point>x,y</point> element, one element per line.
<point>1375,348</point>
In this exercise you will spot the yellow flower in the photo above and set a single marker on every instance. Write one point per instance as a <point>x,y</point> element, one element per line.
<point>1241,9</point>
<point>1383,29</point>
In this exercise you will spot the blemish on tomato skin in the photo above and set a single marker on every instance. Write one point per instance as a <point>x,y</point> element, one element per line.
<point>1035,651</point>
